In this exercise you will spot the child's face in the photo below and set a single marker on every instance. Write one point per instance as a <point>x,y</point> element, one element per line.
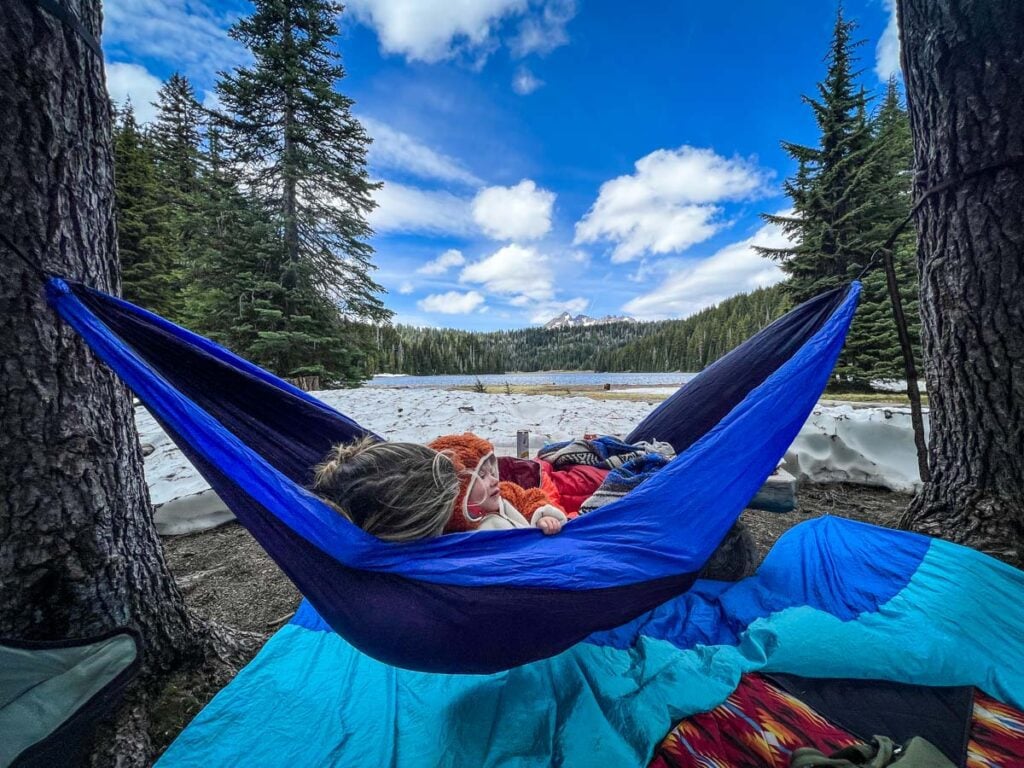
<point>483,487</point>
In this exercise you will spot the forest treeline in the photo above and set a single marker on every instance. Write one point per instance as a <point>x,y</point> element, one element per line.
<point>668,345</point>
<point>248,224</point>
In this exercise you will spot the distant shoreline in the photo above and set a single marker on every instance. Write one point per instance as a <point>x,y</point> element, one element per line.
<point>636,387</point>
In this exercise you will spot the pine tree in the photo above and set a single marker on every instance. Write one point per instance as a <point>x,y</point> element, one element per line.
<point>81,556</point>
<point>828,190</point>
<point>834,194</point>
<point>143,235</point>
<point>872,346</point>
<point>176,133</point>
<point>235,245</point>
<point>963,71</point>
<point>302,156</point>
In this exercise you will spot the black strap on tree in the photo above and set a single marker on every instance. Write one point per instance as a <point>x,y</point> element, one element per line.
<point>942,186</point>
<point>909,366</point>
<point>885,251</point>
<point>72,22</point>
<point>32,264</point>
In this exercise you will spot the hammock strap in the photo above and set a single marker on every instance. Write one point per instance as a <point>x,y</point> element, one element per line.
<point>1014,161</point>
<point>31,263</point>
<point>65,16</point>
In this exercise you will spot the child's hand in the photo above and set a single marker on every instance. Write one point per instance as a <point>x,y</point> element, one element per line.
<point>549,525</point>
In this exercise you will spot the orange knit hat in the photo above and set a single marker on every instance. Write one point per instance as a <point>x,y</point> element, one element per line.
<point>467,452</point>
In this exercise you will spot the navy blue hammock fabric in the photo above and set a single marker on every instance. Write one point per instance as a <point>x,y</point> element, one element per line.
<point>472,603</point>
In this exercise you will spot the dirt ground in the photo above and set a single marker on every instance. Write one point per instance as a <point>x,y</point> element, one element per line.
<point>226,576</point>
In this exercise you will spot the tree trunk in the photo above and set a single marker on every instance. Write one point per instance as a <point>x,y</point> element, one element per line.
<point>963,61</point>
<point>78,551</point>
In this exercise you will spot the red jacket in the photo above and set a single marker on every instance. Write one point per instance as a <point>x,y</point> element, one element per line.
<point>567,488</point>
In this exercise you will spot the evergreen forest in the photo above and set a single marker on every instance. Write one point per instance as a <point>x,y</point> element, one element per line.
<point>247,223</point>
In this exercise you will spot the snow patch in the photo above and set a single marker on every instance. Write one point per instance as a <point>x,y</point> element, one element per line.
<point>872,446</point>
<point>897,385</point>
<point>182,500</point>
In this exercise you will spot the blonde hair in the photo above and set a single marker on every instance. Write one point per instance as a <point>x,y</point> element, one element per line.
<point>395,491</point>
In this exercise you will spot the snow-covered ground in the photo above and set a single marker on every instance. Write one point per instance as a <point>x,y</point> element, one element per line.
<point>855,444</point>
<point>874,446</point>
<point>897,385</point>
<point>183,501</point>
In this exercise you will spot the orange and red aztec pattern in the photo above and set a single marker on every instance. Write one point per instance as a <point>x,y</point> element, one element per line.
<point>997,734</point>
<point>759,725</point>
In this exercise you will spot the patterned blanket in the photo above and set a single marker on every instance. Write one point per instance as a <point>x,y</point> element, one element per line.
<point>606,452</point>
<point>624,479</point>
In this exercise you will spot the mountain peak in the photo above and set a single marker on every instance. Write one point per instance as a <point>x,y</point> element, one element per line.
<point>566,320</point>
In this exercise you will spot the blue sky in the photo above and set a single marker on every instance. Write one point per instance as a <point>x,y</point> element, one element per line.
<point>550,155</point>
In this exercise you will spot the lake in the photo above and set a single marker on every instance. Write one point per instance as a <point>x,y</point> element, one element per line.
<point>557,378</point>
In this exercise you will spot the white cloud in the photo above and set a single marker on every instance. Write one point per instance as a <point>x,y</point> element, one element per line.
<point>525,82</point>
<point>887,52</point>
<point>523,277</point>
<point>522,212</point>
<point>406,288</point>
<point>668,204</point>
<point>401,208</point>
<point>736,268</point>
<point>188,34</point>
<point>543,33</point>
<point>399,151</point>
<point>541,313</point>
<point>451,303</point>
<point>135,82</point>
<point>434,30</point>
<point>444,262</point>
<point>515,270</point>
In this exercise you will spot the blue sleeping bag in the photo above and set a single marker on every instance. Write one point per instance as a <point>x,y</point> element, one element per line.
<point>834,598</point>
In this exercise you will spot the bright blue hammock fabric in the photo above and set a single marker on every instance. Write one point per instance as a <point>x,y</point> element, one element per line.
<point>834,598</point>
<point>472,603</point>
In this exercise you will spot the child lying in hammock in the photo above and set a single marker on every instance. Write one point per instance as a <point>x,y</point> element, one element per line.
<point>406,491</point>
<point>487,504</point>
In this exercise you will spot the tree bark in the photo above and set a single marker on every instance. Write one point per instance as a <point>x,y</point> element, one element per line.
<point>963,63</point>
<point>78,551</point>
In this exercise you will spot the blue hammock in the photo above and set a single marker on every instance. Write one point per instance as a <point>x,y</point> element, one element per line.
<point>472,603</point>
